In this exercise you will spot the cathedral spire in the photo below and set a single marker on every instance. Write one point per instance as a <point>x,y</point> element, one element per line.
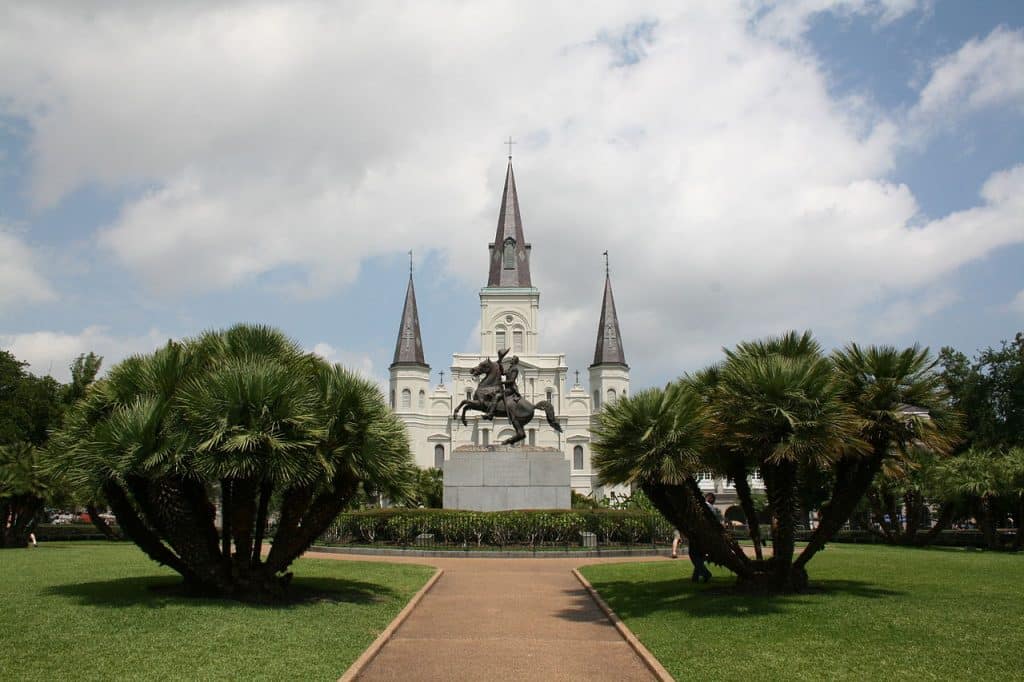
<point>608,349</point>
<point>409,346</point>
<point>510,254</point>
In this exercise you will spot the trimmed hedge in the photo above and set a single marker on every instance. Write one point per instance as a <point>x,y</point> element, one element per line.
<point>533,528</point>
<point>69,531</point>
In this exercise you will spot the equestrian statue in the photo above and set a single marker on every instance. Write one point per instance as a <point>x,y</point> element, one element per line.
<point>497,396</point>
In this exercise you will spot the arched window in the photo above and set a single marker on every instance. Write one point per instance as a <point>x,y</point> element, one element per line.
<point>438,456</point>
<point>597,399</point>
<point>406,399</point>
<point>393,400</point>
<point>517,341</point>
<point>609,396</point>
<point>423,399</point>
<point>509,254</point>
<point>577,457</point>
<point>499,339</point>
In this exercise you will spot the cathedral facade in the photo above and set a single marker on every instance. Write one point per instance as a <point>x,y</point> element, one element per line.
<point>509,314</point>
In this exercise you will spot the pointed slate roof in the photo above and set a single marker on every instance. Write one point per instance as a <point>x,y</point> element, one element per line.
<point>409,346</point>
<point>608,349</point>
<point>511,271</point>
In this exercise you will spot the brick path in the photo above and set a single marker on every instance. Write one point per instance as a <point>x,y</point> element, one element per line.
<point>504,619</point>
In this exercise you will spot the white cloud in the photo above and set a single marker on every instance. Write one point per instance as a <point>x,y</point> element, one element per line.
<point>357,362</point>
<point>52,352</point>
<point>790,19</point>
<point>735,194</point>
<point>983,73</point>
<point>20,280</point>
<point>1017,304</point>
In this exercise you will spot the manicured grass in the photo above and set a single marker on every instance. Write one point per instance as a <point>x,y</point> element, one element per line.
<point>882,613</point>
<point>104,611</point>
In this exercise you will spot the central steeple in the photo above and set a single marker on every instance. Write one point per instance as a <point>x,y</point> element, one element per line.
<point>509,253</point>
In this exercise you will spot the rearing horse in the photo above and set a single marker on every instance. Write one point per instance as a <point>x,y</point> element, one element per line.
<point>522,409</point>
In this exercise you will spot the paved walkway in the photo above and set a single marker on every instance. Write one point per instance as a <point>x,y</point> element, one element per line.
<point>504,619</point>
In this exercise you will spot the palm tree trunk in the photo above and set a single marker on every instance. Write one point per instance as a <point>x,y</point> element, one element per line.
<point>19,519</point>
<point>261,522</point>
<point>853,477</point>
<point>98,521</point>
<point>878,516</point>
<point>180,512</point>
<point>780,484</point>
<point>987,521</point>
<point>243,513</point>
<point>1020,517</point>
<point>136,530</point>
<point>739,477</point>
<point>946,513</point>
<point>225,517</point>
<point>317,517</point>
<point>684,507</point>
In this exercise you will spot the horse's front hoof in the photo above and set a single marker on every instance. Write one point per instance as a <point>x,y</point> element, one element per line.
<point>464,422</point>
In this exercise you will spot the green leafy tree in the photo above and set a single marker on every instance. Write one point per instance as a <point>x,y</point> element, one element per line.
<point>29,405</point>
<point>989,392</point>
<point>237,417</point>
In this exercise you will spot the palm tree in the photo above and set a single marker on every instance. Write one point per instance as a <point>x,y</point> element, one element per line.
<point>659,439</point>
<point>239,417</point>
<point>900,403</point>
<point>980,478</point>
<point>777,401</point>
<point>25,486</point>
<point>907,484</point>
<point>772,405</point>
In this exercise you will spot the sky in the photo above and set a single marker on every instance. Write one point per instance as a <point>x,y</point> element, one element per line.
<point>855,168</point>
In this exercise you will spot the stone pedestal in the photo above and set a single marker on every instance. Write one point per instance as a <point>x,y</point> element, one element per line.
<point>500,477</point>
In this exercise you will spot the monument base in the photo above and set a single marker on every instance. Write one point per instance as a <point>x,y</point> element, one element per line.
<point>502,477</point>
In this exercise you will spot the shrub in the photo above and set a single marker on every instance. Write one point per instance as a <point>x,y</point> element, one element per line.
<point>529,528</point>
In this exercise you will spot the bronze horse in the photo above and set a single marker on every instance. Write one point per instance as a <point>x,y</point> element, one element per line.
<point>522,409</point>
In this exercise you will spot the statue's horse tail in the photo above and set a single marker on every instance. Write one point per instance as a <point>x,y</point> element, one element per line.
<point>549,411</point>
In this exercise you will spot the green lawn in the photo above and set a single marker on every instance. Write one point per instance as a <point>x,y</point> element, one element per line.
<point>89,611</point>
<point>883,613</point>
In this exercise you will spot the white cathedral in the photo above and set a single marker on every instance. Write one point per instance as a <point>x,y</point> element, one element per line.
<point>509,307</point>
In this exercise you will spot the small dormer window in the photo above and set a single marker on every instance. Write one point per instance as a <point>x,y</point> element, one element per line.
<point>509,253</point>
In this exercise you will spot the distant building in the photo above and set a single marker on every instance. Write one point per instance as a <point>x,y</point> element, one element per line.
<point>509,307</point>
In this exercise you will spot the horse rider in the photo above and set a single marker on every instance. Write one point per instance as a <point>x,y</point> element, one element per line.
<point>508,385</point>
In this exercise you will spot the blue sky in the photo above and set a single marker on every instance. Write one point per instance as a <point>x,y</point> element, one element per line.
<point>853,168</point>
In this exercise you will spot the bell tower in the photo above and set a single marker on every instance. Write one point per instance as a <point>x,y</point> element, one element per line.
<point>609,373</point>
<point>409,372</point>
<point>509,304</point>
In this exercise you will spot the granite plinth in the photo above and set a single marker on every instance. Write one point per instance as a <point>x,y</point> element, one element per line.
<point>498,478</point>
